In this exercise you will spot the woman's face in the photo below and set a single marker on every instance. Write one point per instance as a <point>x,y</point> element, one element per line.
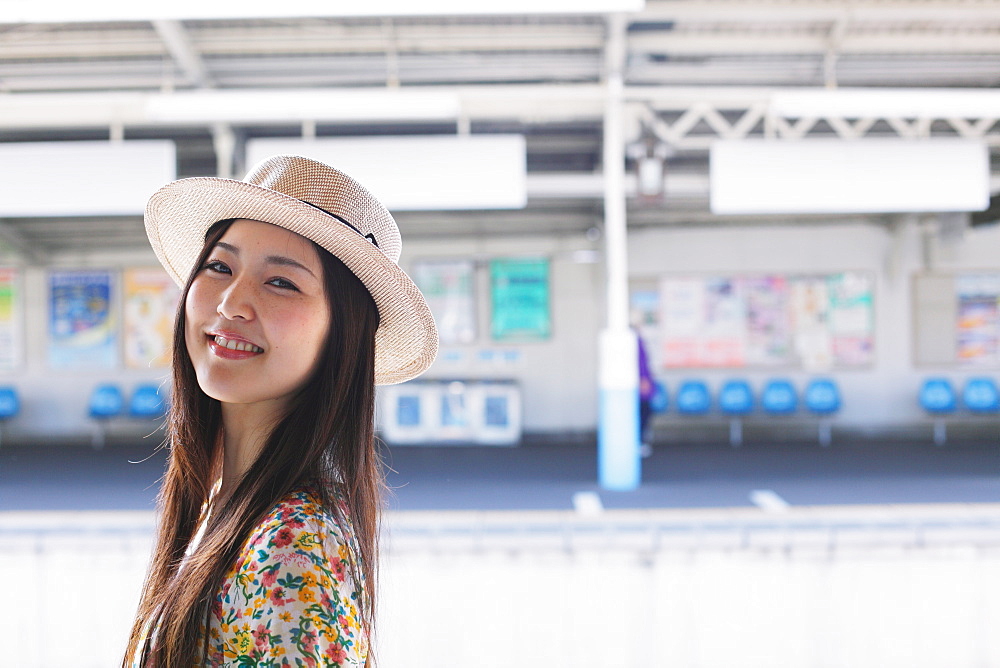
<point>257,315</point>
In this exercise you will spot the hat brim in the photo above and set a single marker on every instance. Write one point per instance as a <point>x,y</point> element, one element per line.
<point>179,214</point>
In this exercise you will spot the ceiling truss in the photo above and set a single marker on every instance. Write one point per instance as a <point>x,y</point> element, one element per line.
<point>693,73</point>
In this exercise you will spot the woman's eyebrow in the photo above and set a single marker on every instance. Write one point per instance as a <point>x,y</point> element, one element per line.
<point>280,260</point>
<point>288,262</point>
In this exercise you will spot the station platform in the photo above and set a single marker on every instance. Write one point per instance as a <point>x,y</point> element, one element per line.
<point>552,475</point>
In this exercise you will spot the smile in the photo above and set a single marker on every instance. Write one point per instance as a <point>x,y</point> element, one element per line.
<point>241,346</point>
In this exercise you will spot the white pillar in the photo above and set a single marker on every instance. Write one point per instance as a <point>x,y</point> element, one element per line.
<point>224,143</point>
<point>618,458</point>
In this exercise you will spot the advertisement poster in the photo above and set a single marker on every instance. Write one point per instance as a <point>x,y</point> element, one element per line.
<point>10,320</point>
<point>449,288</point>
<point>810,311</point>
<point>682,306</point>
<point>644,316</point>
<point>724,334</point>
<point>149,299</point>
<point>769,339</point>
<point>978,323</point>
<point>519,290</point>
<point>644,309</point>
<point>81,324</point>
<point>851,319</point>
<point>814,322</point>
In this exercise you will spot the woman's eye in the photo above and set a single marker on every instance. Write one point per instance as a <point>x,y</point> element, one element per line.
<point>283,283</point>
<point>217,267</point>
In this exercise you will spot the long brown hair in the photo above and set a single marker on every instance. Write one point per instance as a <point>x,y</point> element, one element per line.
<point>326,439</point>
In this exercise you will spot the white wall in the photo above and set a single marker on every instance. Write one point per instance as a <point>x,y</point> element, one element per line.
<point>54,403</point>
<point>558,377</point>
<point>891,250</point>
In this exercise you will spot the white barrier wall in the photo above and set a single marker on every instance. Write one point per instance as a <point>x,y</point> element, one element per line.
<point>903,587</point>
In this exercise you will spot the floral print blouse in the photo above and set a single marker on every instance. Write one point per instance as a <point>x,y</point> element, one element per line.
<point>291,598</point>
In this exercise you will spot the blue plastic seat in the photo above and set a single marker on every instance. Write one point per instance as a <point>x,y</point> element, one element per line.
<point>146,402</point>
<point>981,395</point>
<point>693,398</point>
<point>736,397</point>
<point>660,400</point>
<point>937,395</point>
<point>10,403</point>
<point>822,396</point>
<point>736,401</point>
<point>106,401</point>
<point>779,397</point>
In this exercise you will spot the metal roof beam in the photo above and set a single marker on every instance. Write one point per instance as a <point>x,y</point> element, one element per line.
<point>183,52</point>
<point>745,42</point>
<point>771,11</point>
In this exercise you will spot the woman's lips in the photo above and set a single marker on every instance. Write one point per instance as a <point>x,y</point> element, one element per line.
<point>234,349</point>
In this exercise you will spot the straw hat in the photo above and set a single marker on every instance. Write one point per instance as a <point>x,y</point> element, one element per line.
<point>322,204</point>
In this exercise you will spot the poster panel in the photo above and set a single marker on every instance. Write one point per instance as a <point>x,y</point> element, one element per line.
<point>682,321</point>
<point>815,322</point>
<point>150,300</point>
<point>82,327</point>
<point>519,291</point>
<point>449,287</point>
<point>768,337</point>
<point>851,319</point>
<point>977,328</point>
<point>724,338</point>
<point>11,352</point>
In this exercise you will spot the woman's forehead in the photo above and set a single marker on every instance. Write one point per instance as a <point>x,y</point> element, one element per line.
<point>260,236</point>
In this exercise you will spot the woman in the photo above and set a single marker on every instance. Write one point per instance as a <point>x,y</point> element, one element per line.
<point>293,309</point>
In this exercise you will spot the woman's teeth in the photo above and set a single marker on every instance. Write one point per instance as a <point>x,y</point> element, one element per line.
<point>237,345</point>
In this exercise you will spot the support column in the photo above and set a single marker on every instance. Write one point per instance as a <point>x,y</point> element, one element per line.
<point>224,142</point>
<point>618,457</point>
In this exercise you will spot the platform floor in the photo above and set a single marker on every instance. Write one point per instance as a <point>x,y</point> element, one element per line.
<point>549,475</point>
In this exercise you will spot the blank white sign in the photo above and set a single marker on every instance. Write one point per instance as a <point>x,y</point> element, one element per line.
<point>83,178</point>
<point>838,176</point>
<point>420,173</point>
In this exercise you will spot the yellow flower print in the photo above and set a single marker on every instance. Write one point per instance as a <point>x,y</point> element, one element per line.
<point>277,651</point>
<point>306,541</point>
<point>243,641</point>
<point>244,580</point>
<point>307,595</point>
<point>285,617</point>
<point>308,580</point>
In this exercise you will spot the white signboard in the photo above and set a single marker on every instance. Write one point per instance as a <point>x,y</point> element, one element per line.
<point>420,173</point>
<point>838,176</point>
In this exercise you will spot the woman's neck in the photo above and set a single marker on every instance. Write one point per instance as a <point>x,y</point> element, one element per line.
<point>245,429</point>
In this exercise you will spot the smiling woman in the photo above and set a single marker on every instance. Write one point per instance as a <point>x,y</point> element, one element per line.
<point>293,309</point>
<point>256,321</point>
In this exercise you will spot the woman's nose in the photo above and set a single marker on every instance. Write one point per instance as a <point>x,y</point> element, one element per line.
<point>236,301</point>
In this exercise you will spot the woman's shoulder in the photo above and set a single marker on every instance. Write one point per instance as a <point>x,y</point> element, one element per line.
<point>301,520</point>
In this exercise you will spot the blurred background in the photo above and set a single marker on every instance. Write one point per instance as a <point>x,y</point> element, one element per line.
<point>790,208</point>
